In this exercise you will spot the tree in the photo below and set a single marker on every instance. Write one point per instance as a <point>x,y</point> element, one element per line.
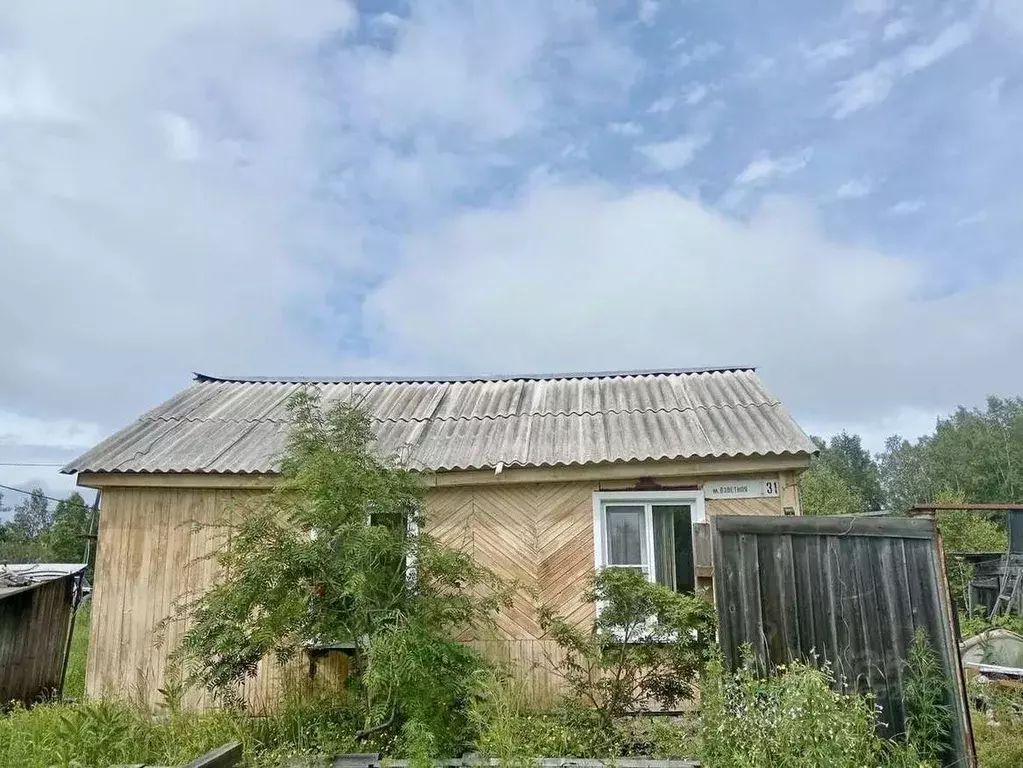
<point>823,491</point>
<point>66,536</point>
<point>32,516</point>
<point>906,473</point>
<point>337,552</point>
<point>846,457</point>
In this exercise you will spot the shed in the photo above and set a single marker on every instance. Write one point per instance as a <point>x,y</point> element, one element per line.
<point>35,626</point>
<point>541,477</point>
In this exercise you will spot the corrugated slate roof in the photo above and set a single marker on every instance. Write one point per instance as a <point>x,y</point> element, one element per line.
<point>240,425</point>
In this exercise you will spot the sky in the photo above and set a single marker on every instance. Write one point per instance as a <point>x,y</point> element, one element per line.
<point>831,191</point>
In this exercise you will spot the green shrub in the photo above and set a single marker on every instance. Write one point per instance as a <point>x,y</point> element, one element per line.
<point>791,720</point>
<point>928,714</point>
<point>648,644</point>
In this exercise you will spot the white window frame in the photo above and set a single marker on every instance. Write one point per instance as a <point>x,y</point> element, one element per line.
<point>601,499</point>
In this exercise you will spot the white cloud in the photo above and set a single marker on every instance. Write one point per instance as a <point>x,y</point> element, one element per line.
<point>854,188</point>
<point>907,207</point>
<point>675,154</point>
<point>896,28</point>
<point>47,433</point>
<point>870,7</point>
<point>872,86</point>
<point>648,11</point>
<point>831,51</point>
<point>696,93</point>
<point>951,39</point>
<point>183,140</point>
<point>126,267</point>
<point>764,167</point>
<point>663,104</point>
<point>843,333</point>
<point>627,128</point>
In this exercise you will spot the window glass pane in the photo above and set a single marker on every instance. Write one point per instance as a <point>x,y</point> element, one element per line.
<point>664,546</point>
<point>673,547</point>
<point>626,539</point>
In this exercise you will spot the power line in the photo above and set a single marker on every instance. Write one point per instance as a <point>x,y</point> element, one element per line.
<point>27,464</point>
<point>29,493</point>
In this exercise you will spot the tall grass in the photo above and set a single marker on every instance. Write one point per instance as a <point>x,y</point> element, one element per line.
<point>108,733</point>
<point>74,682</point>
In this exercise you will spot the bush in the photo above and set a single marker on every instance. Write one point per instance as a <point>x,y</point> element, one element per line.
<point>647,644</point>
<point>792,720</point>
<point>338,552</point>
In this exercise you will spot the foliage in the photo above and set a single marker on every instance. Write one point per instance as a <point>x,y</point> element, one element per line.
<point>823,491</point>
<point>647,643</point>
<point>791,720</point>
<point>971,624</point>
<point>905,471</point>
<point>845,455</point>
<point>108,733</point>
<point>328,555</point>
<point>998,728</point>
<point>74,681</point>
<point>926,695</point>
<point>40,534</point>
<point>965,531</point>
<point>513,730</point>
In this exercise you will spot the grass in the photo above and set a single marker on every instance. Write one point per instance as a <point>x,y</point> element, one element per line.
<point>74,682</point>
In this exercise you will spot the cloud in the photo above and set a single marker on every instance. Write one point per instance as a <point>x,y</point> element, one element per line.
<point>874,85</point>
<point>870,7</point>
<point>831,51</point>
<point>907,207</point>
<point>854,188</point>
<point>696,93</point>
<point>765,167</point>
<point>585,277</point>
<point>627,128</point>
<point>675,154</point>
<point>663,104</point>
<point>648,11</point>
<point>896,29</point>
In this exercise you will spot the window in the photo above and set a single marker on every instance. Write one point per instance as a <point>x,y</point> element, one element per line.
<point>651,532</point>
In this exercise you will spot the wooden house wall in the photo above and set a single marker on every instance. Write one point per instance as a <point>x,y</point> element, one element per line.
<point>34,625</point>
<point>151,555</point>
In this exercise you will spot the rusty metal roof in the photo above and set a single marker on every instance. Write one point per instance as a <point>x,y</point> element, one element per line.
<point>235,425</point>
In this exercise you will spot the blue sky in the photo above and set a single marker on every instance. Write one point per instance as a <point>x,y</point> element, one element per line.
<point>830,191</point>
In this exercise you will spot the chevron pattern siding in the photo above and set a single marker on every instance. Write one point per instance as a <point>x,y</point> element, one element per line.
<point>538,536</point>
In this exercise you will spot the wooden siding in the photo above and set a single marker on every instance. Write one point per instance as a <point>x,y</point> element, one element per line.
<point>151,555</point>
<point>34,626</point>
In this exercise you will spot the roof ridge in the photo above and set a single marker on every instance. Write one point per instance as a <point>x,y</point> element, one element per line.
<point>484,417</point>
<point>202,378</point>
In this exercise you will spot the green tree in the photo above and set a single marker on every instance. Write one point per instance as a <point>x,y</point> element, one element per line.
<point>65,538</point>
<point>338,553</point>
<point>845,455</point>
<point>906,473</point>
<point>823,491</point>
<point>33,516</point>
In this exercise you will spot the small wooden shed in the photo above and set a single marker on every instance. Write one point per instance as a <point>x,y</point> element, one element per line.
<point>541,477</point>
<point>35,625</point>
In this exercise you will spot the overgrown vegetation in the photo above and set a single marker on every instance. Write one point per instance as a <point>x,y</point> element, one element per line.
<point>338,553</point>
<point>647,645</point>
<point>38,533</point>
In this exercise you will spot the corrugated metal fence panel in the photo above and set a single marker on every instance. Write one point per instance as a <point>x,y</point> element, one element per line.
<point>851,591</point>
<point>34,623</point>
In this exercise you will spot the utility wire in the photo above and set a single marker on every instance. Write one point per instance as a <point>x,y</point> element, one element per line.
<point>26,464</point>
<point>29,493</point>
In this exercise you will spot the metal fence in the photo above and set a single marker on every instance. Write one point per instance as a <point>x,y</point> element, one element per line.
<point>851,591</point>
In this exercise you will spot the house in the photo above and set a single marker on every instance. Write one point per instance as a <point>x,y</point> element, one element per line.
<point>541,477</point>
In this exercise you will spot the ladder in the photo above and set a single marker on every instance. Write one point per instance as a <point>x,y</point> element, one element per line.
<point>1007,594</point>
